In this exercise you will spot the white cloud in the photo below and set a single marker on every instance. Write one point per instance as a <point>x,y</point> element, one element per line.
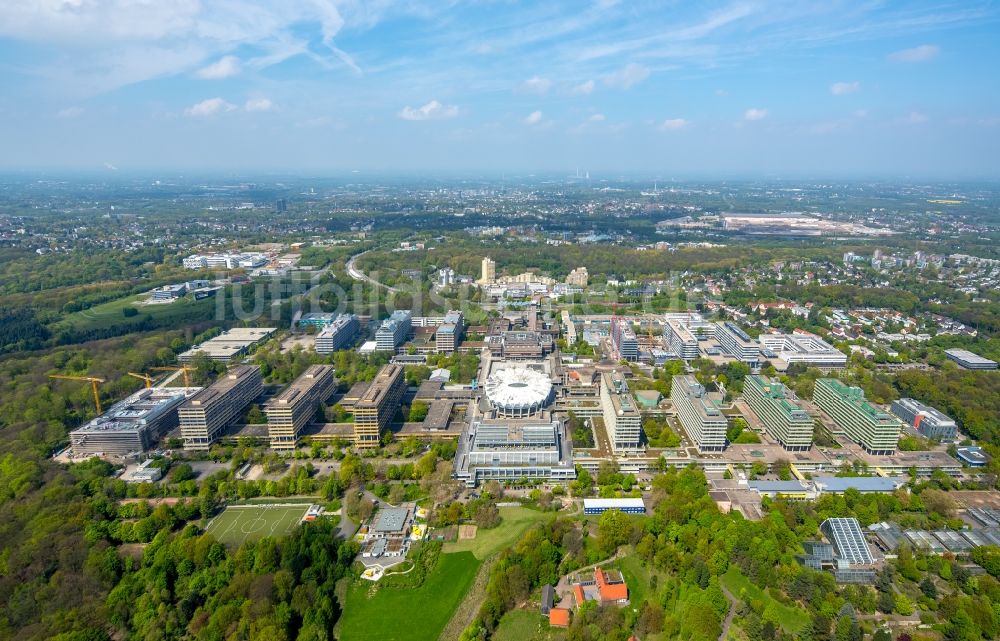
<point>755,114</point>
<point>69,112</point>
<point>533,118</point>
<point>721,92</point>
<point>208,108</point>
<point>673,124</point>
<point>915,118</point>
<point>534,85</point>
<point>100,45</point>
<point>583,89</point>
<point>841,88</point>
<point>433,110</point>
<point>628,76</point>
<point>597,118</point>
<point>222,68</point>
<point>259,104</point>
<point>923,53</point>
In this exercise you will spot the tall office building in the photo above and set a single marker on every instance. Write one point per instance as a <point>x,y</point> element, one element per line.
<point>622,419</point>
<point>449,333</point>
<point>204,416</point>
<point>281,205</point>
<point>374,410</point>
<point>393,331</point>
<point>737,343</point>
<point>489,271</point>
<point>928,422</point>
<point>699,414</point>
<point>871,428</point>
<point>683,331</point>
<point>338,334</point>
<point>624,341</point>
<point>289,412</point>
<point>783,419</point>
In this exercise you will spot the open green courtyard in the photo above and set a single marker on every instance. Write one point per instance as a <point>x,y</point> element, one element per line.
<point>526,625</point>
<point>409,614</point>
<point>516,521</point>
<point>239,523</point>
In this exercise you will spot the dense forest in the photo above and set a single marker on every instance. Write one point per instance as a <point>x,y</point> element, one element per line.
<point>692,552</point>
<point>515,257</point>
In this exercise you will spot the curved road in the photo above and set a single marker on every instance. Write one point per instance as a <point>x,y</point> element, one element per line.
<point>357,274</point>
<point>352,271</point>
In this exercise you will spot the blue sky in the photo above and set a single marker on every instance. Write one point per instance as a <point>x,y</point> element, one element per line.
<point>686,88</point>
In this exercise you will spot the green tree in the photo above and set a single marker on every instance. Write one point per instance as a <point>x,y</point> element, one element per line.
<point>614,528</point>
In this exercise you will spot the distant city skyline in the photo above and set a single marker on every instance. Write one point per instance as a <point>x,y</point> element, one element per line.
<point>743,88</point>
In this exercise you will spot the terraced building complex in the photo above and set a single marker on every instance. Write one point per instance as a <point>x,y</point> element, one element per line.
<point>374,410</point>
<point>699,414</point>
<point>784,420</point>
<point>289,412</point>
<point>871,428</point>
<point>204,416</point>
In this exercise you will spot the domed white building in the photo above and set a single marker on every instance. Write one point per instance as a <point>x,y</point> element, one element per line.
<point>518,391</point>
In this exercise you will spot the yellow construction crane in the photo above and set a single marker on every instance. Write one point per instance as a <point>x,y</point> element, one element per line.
<point>182,368</point>
<point>143,377</point>
<point>93,383</point>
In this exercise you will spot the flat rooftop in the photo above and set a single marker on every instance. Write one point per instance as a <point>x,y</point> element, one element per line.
<point>135,411</point>
<point>222,385</point>
<point>610,504</point>
<point>380,385</point>
<point>314,375</point>
<point>969,357</point>
<point>390,519</point>
<point>750,453</point>
<point>230,343</point>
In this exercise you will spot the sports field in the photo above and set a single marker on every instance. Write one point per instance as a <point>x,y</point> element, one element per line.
<point>239,523</point>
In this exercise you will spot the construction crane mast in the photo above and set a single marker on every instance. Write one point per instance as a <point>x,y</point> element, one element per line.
<point>93,384</point>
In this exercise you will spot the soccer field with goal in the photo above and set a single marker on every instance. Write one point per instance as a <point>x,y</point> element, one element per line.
<point>239,523</point>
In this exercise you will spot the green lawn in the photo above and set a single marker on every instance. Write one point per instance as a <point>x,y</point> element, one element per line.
<point>408,614</point>
<point>636,576</point>
<point>240,523</point>
<point>792,619</point>
<point>525,625</point>
<point>110,314</point>
<point>516,521</point>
